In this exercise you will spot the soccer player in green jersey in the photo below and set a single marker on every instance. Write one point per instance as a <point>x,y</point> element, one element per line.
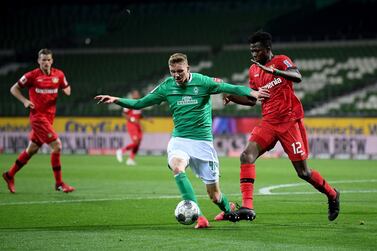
<point>189,98</point>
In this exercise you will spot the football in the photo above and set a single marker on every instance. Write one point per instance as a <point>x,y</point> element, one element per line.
<point>186,212</point>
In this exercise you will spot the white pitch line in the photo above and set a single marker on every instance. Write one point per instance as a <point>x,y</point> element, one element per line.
<point>96,200</point>
<point>262,191</point>
<point>267,190</point>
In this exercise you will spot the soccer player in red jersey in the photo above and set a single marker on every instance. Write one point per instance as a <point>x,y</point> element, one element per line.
<point>134,131</point>
<point>282,120</point>
<point>43,84</point>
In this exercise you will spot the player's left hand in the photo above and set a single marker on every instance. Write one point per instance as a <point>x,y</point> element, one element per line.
<point>266,69</point>
<point>261,95</point>
<point>106,99</point>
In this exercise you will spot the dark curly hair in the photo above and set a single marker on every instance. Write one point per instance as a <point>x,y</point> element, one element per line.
<point>263,37</point>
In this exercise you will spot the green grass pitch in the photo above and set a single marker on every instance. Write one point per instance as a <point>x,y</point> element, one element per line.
<point>117,207</point>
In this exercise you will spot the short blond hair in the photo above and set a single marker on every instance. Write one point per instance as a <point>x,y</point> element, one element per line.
<point>177,58</point>
<point>44,51</point>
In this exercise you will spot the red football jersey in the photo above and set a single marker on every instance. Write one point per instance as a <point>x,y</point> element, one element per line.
<point>43,90</point>
<point>133,116</point>
<point>283,105</point>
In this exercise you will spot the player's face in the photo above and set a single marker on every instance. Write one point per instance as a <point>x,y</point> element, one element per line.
<point>259,52</point>
<point>180,72</point>
<point>45,62</point>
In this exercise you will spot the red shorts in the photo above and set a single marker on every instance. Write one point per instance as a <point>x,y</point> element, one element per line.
<point>42,131</point>
<point>291,135</point>
<point>134,130</point>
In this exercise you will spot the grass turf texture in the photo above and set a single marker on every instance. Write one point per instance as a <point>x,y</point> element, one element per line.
<point>117,207</point>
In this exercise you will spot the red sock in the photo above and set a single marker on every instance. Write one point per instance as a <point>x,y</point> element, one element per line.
<point>22,159</point>
<point>56,167</point>
<point>247,177</point>
<point>321,184</point>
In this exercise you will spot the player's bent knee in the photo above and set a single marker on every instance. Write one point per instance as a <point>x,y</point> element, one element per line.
<point>178,161</point>
<point>177,170</point>
<point>247,157</point>
<point>178,164</point>
<point>57,149</point>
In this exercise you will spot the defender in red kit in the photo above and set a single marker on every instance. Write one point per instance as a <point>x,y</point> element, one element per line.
<point>282,120</point>
<point>43,84</point>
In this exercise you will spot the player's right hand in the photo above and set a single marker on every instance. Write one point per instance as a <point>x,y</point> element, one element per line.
<point>106,99</point>
<point>29,104</point>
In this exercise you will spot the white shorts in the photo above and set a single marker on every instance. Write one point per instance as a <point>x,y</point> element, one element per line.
<point>200,155</point>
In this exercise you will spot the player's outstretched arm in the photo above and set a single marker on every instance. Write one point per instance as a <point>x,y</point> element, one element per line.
<point>148,100</point>
<point>106,99</point>
<point>16,91</point>
<point>292,74</point>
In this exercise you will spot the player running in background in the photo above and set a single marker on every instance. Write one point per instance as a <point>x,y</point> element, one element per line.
<point>134,131</point>
<point>189,98</point>
<point>43,84</point>
<point>282,120</point>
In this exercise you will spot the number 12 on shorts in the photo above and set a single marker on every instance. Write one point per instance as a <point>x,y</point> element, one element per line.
<point>297,148</point>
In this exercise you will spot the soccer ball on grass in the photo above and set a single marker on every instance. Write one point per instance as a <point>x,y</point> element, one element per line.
<point>187,212</point>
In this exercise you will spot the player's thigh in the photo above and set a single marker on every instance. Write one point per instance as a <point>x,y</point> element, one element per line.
<point>294,142</point>
<point>206,170</point>
<point>264,137</point>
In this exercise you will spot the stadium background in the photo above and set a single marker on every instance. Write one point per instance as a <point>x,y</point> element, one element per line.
<point>114,46</point>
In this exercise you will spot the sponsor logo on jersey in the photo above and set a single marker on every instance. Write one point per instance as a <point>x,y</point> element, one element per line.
<point>187,100</point>
<point>256,75</point>
<point>196,90</point>
<point>55,80</point>
<point>46,91</point>
<point>273,83</point>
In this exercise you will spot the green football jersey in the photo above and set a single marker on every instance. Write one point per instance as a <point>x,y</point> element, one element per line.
<point>190,105</point>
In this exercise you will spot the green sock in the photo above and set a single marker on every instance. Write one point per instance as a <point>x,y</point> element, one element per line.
<point>185,187</point>
<point>224,203</point>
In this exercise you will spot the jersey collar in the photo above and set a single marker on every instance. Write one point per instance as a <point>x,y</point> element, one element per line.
<point>188,81</point>
<point>190,78</point>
